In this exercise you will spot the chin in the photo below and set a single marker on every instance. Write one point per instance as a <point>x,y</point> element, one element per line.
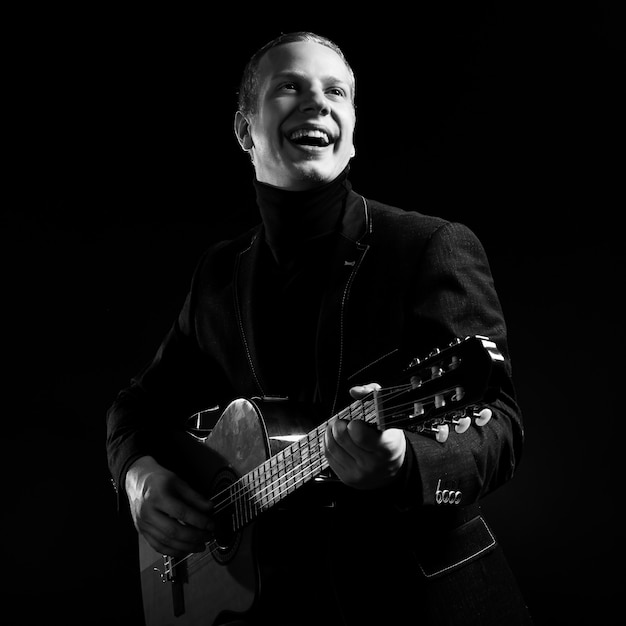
<point>314,174</point>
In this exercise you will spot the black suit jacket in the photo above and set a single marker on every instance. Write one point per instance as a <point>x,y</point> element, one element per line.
<point>401,284</point>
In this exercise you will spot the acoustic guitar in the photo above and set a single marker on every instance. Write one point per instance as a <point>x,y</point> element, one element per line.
<point>260,452</point>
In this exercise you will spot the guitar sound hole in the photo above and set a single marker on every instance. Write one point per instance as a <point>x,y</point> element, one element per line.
<point>226,537</point>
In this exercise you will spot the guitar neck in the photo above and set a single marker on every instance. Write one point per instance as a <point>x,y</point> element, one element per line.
<point>440,390</point>
<point>288,470</point>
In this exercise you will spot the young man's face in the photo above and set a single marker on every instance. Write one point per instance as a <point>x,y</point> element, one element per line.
<point>303,130</point>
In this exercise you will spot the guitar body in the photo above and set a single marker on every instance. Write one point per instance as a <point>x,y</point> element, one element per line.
<point>224,581</point>
<point>251,463</point>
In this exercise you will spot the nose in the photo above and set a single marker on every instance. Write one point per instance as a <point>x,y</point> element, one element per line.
<point>314,99</point>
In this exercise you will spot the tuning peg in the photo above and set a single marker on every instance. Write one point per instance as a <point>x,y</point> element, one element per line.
<point>416,382</point>
<point>462,424</point>
<point>418,409</point>
<point>442,432</point>
<point>482,416</point>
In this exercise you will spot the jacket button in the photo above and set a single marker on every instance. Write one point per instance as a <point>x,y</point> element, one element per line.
<point>447,496</point>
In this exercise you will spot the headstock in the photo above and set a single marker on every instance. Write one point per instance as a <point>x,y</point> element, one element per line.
<point>444,388</point>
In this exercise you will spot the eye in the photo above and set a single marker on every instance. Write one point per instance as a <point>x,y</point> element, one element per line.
<point>287,87</point>
<point>337,91</point>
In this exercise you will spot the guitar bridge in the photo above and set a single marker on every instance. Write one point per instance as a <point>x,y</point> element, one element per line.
<point>169,569</point>
<point>175,573</point>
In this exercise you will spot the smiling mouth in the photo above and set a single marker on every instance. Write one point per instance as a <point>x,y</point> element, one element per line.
<point>310,137</point>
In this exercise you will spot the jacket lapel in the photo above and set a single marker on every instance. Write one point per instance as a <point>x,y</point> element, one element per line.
<point>246,294</point>
<point>349,254</point>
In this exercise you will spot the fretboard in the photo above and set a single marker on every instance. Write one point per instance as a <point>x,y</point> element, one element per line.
<point>286,471</point>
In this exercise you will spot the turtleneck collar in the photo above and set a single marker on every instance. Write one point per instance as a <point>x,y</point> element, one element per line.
<point>294,217</point>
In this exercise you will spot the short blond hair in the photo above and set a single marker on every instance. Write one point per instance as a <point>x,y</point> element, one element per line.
<point>249,85</point>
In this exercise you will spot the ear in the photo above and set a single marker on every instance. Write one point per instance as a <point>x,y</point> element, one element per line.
<point>242,131</point>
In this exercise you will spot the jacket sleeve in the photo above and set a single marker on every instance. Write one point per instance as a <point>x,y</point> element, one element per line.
<point>179,381</point>
<point>453,295</point>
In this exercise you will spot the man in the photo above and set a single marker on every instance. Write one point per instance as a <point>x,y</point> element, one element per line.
<point>323,303</point>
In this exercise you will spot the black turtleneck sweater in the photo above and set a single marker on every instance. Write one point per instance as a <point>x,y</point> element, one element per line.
<point>300,232</point>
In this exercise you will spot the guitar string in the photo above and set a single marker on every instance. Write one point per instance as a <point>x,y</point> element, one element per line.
<point>243,488</point>
<point>273,464</point>
<point>315,462</point>
<point>286,474</point>
<point>287,481</point>
<point>196,558</point>
<point>317,458</point>
<point>281,462</point>
<point>213,546</point>
<point>296,452</point>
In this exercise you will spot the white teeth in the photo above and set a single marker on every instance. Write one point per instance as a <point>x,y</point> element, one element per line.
<point>309,132</point>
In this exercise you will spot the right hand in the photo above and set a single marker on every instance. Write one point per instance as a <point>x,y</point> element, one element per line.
<point>174,518</point>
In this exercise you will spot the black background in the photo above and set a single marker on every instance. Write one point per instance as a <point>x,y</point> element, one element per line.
<point>123,168</point>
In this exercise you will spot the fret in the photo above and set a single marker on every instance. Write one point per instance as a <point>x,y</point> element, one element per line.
<point>345,413</point>
<point>270,479</point>
<point>290,469</point>
<point>370,412</point>
<point>282,466</point>
<point>316,447</point>
<point>320,433</point>
<point>257,498</point>
<point>249,503</point>
<point>304,450</point>
<point>257,489</point>
<point>252,490</point>
<point>264,480</point>
<point>275,478</point>
<point>351,411</point>
<point>299,456</point>
<point>233,492</point>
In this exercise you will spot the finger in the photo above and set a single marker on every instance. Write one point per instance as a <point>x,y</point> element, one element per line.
<point>178,534</point>
<point>363,436</point>
<point>339,460</point>
<point>180,502</point>
<point>195,499</point>
<point>342,439</point>
<point>192,508</point>
<point>360,391</point>
<point>170,537</point>
<point>358,438</point>
<point>184,514</point>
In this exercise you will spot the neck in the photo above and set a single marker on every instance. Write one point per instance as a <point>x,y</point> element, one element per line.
<point>294,217</point>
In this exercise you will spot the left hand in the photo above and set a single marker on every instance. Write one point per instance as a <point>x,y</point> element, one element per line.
<point>362,456</point>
